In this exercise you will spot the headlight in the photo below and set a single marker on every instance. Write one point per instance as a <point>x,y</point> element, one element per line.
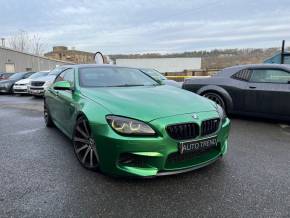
<point>6,85</point>
<point>128,126</point>
<point>221,112</point>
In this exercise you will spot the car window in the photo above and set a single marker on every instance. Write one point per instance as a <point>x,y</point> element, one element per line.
<point>27,75</point>
<point>243,75</point>
<point>38,74</point>
<point>67,75</point>
<point>113,76</point>
<point>56,71</point>
<point>16,76</point>
<point>270,76</point>
<point>154,74</point>
<point>60,77</point>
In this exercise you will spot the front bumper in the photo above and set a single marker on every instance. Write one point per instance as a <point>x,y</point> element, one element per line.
<point>4,89</point>
<point>36,90</point>
<point>154,156</point>
<point>18,89</point>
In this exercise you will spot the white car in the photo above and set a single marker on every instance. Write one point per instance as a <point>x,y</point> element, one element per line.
<point>22,86</point>
<point>38,86</point>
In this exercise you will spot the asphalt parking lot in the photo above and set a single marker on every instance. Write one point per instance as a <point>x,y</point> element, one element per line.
<point>40,176</point>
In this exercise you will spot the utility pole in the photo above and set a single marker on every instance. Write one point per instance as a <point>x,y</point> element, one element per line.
<point>283,52</point>
<point>3,42</point>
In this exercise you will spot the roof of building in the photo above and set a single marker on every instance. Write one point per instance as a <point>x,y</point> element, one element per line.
<point>33,55</point>
<point>69,52</point>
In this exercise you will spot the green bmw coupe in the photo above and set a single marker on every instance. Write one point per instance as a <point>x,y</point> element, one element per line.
<point>123,122</point>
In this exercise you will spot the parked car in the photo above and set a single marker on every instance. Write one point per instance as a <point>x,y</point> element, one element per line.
<point>22,86</point>
<point>38,86</point>
<point>124,123</point>
<point>160,78</point>
<point>4,76</point>
<point>260,90</point>
<point>6,86</point>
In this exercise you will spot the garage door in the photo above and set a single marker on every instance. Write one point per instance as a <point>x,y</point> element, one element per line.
<point>10,68</point>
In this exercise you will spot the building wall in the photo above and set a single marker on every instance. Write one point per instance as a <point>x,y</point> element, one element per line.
<point>277,59</point>
<point>62,53</point>
<point>163,65</point>
<point>25,62</point>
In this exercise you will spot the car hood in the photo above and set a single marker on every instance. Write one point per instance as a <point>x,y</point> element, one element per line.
<point>148,103</point>
<point>45,78</point>
<point>23,81</point>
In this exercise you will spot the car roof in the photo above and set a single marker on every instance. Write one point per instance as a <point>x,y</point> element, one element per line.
<point>21,72</point>
<point>261,66</point>
<point>231,70</point>
<point>101,65</point>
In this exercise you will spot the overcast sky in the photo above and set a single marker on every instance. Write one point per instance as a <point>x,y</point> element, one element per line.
<point>131,26</point>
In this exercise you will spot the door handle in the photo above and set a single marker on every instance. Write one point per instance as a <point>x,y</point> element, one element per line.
<point>252,87</point>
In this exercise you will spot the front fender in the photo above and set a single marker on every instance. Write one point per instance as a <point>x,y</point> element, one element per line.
<point>95,113</point>
<point>217,89</point>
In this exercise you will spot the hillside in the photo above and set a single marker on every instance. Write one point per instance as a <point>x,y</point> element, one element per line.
<point>215,59</point>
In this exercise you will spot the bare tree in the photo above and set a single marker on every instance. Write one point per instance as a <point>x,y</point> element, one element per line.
<point>19,41</point>
<point>25,42</point>
<point>37,46</point>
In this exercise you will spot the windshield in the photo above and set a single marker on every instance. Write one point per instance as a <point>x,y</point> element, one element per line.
<point>113,77</point>
<point>38,74</point>
<point>154,74</point>
<point>16,76</point>
<point>55,71</point>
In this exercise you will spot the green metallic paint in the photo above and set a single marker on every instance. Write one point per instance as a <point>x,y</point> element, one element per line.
<point>157,106</point>
<point>62,85</point>
<point>148,103</point>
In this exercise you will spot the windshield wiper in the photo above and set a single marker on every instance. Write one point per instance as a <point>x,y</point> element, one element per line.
<point>128,85</point>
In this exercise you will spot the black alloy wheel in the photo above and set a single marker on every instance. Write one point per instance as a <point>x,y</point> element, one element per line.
<point>47,118</point>
<point>84,145</point>
<point>215,98</point>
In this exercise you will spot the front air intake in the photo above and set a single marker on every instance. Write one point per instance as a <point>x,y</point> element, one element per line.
<point>209,127</point>
<point>183,131</point>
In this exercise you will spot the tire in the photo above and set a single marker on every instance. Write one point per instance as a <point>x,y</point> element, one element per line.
<point>217,98</point>
<point>11,91</point>
<point>84,145</point>
<point>47,118</point>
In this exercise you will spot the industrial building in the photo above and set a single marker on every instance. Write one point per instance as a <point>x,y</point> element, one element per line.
<point>72,55</point>
<point>15,61</point>
<point>163,65</point>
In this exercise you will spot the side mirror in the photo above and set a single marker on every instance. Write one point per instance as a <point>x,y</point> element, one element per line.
<point>62,85</point>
